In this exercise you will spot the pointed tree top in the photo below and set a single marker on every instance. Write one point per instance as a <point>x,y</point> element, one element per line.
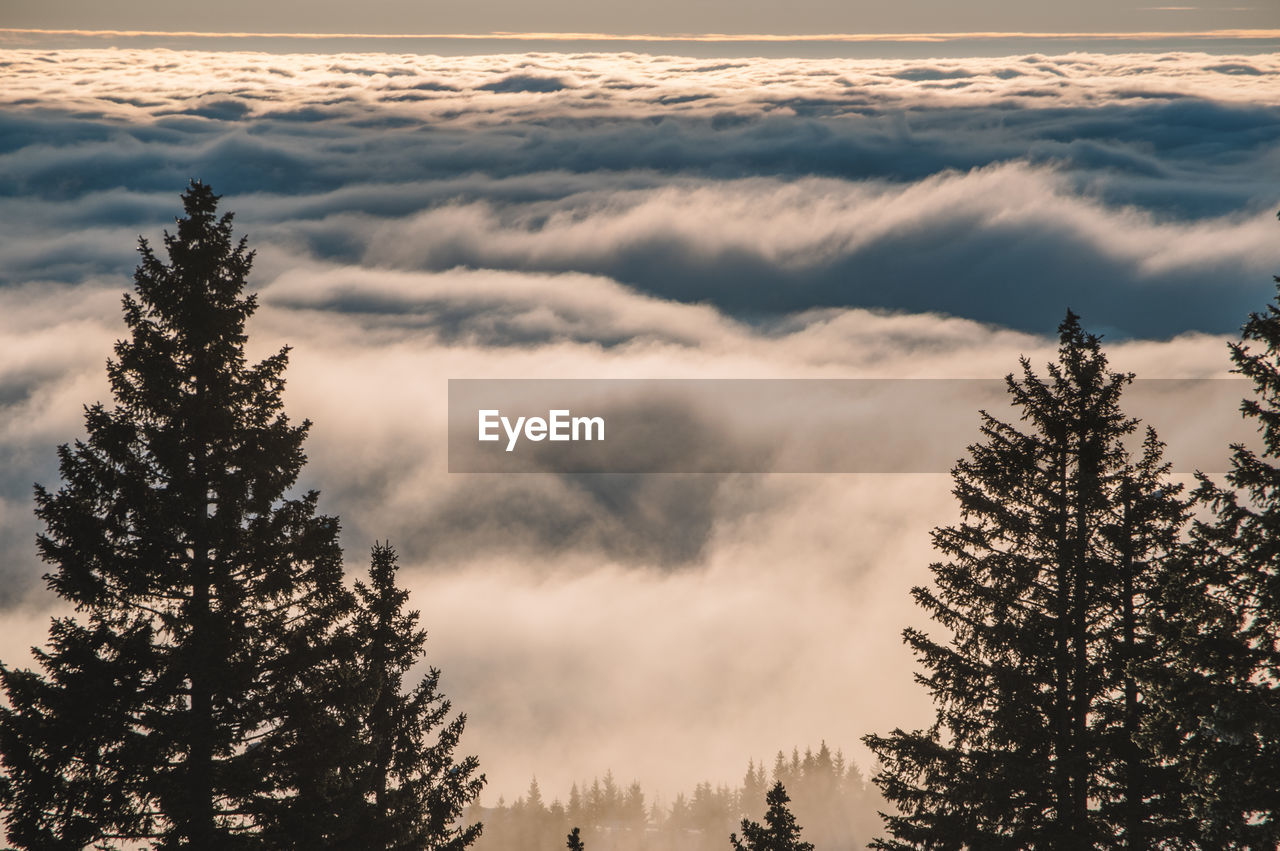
<point>199,200</point>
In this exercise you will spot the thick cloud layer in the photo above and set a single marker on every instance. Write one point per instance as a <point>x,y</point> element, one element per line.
<point>1136,188</point>
<point>588,216</point>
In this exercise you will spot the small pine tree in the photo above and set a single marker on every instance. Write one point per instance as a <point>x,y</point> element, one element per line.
<point>415,790</point>
<point>533,798</point>
<point>753,786</point>
<point>574,842</point>
<point>780,831</point>
<point>576,810</point>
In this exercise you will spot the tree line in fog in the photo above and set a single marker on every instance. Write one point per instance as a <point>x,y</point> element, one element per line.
<point>830,798</point>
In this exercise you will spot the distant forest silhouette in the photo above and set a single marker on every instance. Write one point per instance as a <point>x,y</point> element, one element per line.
<point>829,796</point>
<point>1104,663</point>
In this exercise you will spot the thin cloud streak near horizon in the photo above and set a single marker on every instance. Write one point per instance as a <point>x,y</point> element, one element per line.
<point>681,37</point>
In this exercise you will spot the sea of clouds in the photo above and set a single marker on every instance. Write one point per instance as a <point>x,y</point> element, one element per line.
<point>420,218</point>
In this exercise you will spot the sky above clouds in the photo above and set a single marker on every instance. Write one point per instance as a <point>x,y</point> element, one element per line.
<point>654,17</point>
<point>596,214</point>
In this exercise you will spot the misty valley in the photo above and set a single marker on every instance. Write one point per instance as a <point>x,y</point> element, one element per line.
<point>927,517</point>
<point>830,796</point>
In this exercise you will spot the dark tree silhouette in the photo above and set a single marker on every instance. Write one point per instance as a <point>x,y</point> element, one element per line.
<point>202,695</point>
<point>1219,698</point>
<point>202,592</point>
<point>415,792</point>
<point>780,831</point>
<point>1053,578</point>
<point>574,841</point>
<point>1142,800</point>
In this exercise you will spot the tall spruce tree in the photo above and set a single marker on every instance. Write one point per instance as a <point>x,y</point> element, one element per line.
<point>174,706</point>
<point>414,792</point>
<point>1052,579</point>
<point>780,831</point>
<point>1219,697</point>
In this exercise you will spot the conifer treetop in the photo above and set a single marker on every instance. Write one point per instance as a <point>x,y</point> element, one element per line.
<point>780,831</point>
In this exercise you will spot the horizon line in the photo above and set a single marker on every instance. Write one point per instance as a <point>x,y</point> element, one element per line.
<point>1144,35</point>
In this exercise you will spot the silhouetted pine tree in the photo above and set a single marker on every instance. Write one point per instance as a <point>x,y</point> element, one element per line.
<point>414,790</point>
<point>1052,578</point>
<point>203,594</point>
<point>574,841</point>
<point>780,831</point>
<point>1142,800</point>
<point>1219,695</point>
